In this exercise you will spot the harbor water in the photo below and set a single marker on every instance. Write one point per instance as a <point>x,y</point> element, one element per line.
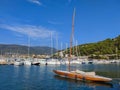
<point>42,77</point>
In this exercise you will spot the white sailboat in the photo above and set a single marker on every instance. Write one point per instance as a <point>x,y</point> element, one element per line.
<point>27,61</point>
<point>52,61</point>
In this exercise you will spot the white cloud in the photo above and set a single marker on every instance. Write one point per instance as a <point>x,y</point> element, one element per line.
<point>32,31</point>
<point>36,2</point>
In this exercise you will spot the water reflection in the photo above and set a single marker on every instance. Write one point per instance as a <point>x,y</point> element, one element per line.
<point>88,84</point>
<point>42,78</point>
<point>26,73</point>
<point>16,71</point>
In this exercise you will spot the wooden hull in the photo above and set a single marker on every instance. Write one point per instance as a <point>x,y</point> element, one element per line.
<point>76,76</point>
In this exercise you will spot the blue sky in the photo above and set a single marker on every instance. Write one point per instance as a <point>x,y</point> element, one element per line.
<point>95,20</point>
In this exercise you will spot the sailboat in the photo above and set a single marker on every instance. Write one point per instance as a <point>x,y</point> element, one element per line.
<point>77,74</point>
<point>27,61</point>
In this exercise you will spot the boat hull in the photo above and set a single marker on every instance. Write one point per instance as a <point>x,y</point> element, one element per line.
<point>76,76</point>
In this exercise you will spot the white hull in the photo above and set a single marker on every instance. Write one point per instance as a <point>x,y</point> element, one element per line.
<point>18,63</point>
<point>27,63</point>
<point>53,62</point>
<point>42,61</point>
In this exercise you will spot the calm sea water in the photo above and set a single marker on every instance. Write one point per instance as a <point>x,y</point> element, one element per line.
<point>42,78</point>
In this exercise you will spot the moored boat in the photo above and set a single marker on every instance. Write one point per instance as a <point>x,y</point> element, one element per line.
<point>18,63</point>
<point>80,75</point>
<point>27,62</point>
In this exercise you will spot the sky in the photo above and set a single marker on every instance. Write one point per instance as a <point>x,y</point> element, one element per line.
<point>49,22</point>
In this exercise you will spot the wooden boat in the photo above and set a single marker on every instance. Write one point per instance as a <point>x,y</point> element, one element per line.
<point>79,75</point>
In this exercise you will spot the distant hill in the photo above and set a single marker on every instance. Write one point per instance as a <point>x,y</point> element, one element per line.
<point>12,48</point>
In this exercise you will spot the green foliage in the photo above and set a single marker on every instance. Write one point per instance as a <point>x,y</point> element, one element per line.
<point>106,47</point>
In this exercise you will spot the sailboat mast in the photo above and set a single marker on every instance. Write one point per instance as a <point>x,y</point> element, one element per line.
<point>29,45</point>
<point>72,34</point>
<point>51,46</point>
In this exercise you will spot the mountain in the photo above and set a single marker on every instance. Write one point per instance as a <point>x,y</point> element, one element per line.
<point>12,48</point>
<point>108,47</point>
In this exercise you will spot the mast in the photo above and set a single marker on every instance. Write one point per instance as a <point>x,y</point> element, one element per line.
<point>51,46</point>
<point>57,44</point>
<point>29,46</point>
<point>71,37</point>
<point>76,48</point>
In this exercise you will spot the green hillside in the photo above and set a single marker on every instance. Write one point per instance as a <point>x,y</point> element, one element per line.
<point>109,48</point>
